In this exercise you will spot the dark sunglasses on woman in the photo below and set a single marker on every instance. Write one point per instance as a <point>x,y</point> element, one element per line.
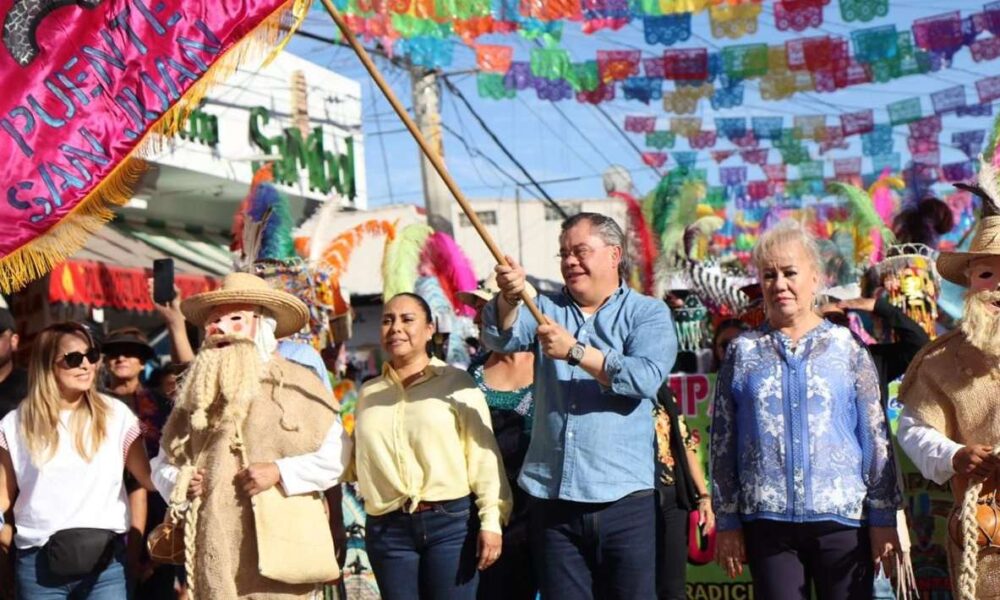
<point>75,359</point>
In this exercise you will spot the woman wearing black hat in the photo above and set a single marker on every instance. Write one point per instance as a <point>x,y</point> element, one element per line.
<point>126,352</point>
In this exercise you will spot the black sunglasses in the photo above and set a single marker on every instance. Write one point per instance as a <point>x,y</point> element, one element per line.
<point>75,359</point>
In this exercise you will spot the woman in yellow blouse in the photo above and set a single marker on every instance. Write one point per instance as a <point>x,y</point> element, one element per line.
<point>425,458</point>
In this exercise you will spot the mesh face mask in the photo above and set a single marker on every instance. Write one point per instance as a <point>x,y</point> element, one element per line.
<point>689,323</point>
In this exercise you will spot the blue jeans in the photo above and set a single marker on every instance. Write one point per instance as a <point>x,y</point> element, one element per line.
<point>585,551</point>
<point>35,580</point>
<point>428,555</point>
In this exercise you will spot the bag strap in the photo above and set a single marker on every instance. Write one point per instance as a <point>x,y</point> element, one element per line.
<point>178,502</point>
<point>240,445</point>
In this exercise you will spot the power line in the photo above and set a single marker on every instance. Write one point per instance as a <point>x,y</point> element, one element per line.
<point>475,153</point>
<point>555,134</point>
<point>605,114</point>
<point>458,93</point>
<point>381,143</point>
<point>468,105</point>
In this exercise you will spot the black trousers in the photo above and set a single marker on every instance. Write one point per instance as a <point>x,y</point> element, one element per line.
<point>512,576</point>
<point>786,559</point>
<point>671,546</point>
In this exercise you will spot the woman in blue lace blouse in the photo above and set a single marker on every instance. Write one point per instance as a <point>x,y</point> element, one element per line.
<point>802,468</point>
<point>506,380</point>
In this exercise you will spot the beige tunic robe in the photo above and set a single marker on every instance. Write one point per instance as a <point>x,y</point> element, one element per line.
<point>291,417</point>
<point>955,388</point>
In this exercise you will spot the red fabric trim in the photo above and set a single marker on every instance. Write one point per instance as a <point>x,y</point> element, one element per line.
<point>101,285</point>
<point>133,434</point>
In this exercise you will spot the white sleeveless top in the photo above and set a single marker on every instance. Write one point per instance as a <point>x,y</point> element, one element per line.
<point>67,491</point>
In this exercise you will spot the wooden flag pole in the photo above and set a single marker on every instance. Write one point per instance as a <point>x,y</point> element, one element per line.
<point>425,147</point>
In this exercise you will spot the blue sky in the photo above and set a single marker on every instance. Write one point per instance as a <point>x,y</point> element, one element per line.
<point>572,142</point>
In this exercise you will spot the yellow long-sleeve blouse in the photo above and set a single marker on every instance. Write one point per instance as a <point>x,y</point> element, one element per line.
<point>430,442</point>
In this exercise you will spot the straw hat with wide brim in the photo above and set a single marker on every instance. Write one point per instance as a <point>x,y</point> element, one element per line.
<point>244,288</point>
<point>487,290</point>
<point>954,266</point>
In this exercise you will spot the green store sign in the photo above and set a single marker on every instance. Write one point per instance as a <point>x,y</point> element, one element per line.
<point>327,170</point>
<point>201,128</point>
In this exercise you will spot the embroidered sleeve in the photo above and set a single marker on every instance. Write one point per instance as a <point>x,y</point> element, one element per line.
<point>725,474</point>
<point>878,465</point>
<point>687,438</point>
<point>662,427</point>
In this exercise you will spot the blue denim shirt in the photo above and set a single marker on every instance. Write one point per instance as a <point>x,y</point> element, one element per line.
<point>590,443</point>
<point>799,435</point>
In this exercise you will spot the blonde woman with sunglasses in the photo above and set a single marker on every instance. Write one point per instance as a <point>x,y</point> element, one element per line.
<point>63,454</point>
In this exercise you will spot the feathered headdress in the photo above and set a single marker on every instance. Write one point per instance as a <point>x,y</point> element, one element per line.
<point>262,227</point>
<point>444,259</point>
<point>866,217</point>
<point>675,206</point>
<point>644,249</point>
<point>697,232</point>
<point>336,256</point>
<point>401,260</point>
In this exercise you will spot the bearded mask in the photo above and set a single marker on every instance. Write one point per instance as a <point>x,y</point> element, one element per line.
<point>226,374</point>
<point>243,321</point>
<point>981,324</point>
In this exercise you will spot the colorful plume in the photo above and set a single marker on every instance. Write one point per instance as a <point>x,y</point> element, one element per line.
<point>643,245</point>
<point>401,260</point>
<point>337,254</point>
<point>264,200</point>
<point>445,260</point>
<point>866,217</point>
<point>885,201</point>
<point>675,206</point>
<point>698,234</point>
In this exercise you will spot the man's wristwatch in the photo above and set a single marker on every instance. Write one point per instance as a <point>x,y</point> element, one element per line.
<point>575,354</point>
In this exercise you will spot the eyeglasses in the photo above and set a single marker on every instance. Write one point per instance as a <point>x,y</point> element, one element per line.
<point>75,359</point>
<point>580,252</point>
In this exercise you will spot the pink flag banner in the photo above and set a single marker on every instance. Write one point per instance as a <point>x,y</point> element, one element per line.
<point>85,85</point>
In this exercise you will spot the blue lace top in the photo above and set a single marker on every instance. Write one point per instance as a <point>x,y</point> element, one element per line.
<point>799,434</point>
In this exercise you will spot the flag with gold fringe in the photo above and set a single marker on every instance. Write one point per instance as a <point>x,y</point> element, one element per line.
<point>88,86</point>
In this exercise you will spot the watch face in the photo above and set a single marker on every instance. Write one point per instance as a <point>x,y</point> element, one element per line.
<point>576,352</point>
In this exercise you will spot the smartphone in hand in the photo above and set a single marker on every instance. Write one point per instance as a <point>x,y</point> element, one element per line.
<point>163,280</point>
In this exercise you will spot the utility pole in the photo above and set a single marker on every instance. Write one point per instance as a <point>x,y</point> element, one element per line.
<point>426,113</point>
